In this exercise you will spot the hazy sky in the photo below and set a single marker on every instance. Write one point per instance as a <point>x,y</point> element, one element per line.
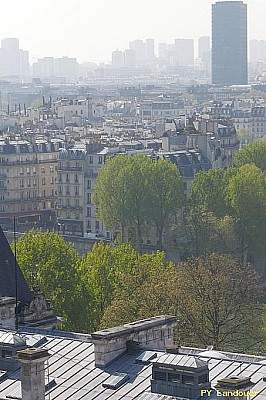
<point>91,29</point>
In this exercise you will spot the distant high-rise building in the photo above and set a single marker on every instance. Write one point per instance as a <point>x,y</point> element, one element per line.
<point>162,51</point>
<point>204,47</point>
<point>129,58</point>
<point>229,43</point>
<point>118,59</point>
<point>13,60</point>
<point>204,54</point>
<point>150,49</point>
<point>257,50</point>
<point>184,52</point>
<point>140,49</point>
<point>10,57</point>
<point>24,63</point>
<point>67,67</point>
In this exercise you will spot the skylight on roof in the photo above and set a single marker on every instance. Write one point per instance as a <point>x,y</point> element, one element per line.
<point>115,380</point>
<point>146,357</point>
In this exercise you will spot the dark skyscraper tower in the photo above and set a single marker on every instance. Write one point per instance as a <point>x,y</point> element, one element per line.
<point>229,43</point>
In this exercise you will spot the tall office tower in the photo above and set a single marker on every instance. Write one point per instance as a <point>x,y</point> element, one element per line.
<point>24,63</point>
<point>118,59</point>
<point>229,43</point>
<point>129,58</point>
<point>204,54</point>
<point>66,67</point>
<point>150,49</point>
<point>140,49</point>
<point>204,47</point>
<point>162,51</point>
<point>10,57</point>
<point>257,50</point>
<point>184,52</point>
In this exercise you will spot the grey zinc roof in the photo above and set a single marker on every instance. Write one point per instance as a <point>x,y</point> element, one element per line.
<point>75,376</point>
<point>11,338</point>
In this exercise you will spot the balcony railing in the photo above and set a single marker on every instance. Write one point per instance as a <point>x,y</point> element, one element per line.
<point>68,168</point>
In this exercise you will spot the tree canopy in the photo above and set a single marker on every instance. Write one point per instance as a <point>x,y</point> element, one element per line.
<point>246,193</point>
<point>218,303</point>
<point>209,189</point>
<point>254,153</point>
<point>133,191</point>
<point>214,297</point>
<point>49,262</point>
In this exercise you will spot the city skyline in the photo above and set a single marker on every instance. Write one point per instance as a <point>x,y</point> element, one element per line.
<point>90,32</point>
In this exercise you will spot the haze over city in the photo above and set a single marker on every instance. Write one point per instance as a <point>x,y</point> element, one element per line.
<point>90,31</point>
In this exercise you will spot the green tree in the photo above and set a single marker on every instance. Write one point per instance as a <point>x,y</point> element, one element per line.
<point>100,273</point>
<point>254,153</point>
<point>246,193</point>
<point>166,195</point>
<point>49,262</point>
<point>149,289</point>
<point>133,191</point>
<point>209,190</point>
<point>218,304</point>
<point>203,233</point>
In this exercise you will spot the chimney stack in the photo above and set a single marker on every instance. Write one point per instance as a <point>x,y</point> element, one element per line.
<point>32,373</point>
<point>235,387</point>
<point>155,333</point>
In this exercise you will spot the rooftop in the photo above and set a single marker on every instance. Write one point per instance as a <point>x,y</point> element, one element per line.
<point>72,370</point>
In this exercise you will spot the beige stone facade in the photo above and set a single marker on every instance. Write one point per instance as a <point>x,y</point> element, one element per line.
<point>28,175</point>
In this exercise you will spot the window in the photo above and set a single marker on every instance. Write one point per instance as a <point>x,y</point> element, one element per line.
<point>51,168</point>
<point>77,203</point>
<point>67,178</point>
<point>188,379</point>
<point>89,184</point>
<point>97,225</point>
<point>173,377</point>
<point>7,353</point>
<point>89,212</point>
<point>203,379</point>
<point>43,181</point>
<point>159,375</point>
<point>100,161</point>
<point>91,159</point>
<point>89,198</point>
<point>76,178</point>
